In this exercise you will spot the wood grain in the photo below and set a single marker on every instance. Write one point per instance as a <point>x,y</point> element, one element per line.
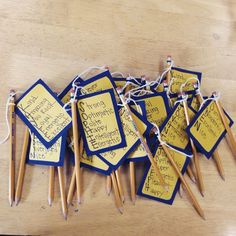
<point>55,40</point>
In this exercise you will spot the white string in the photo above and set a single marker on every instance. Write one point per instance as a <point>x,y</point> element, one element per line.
<point>186,82</point>
<point>8,103</point>
<point>215,98</point>
<point>184,98</point>
<point>129,78</point>
<point>118,73</point>
<point>158,134</point>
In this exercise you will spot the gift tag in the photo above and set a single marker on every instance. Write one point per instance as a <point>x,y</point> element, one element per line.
<point>173,129</point>
<point>139,154</point>
<point>150,186</point>
<point>43,113</point>
<point>99,122</point>
<point>117,156</point>
<point>180,76</point>
<point>38,154</point>
<point>207,129</point>
<point>157,107</point>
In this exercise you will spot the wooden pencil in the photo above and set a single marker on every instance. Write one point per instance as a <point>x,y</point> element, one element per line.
<point>108,185</point>
<point>190,174</point>
<point>118,201</point>
<point>215,155</point>
<point>62,191</point>
<point>132,181</point>
<point>21,173</point>
<point>145,146</point>
<point>76,149</point>
<point>184,182</point>
<point>12,122</point>
<point>227,127</point>
<point>51,185</point>
<point>119,184</point>
<point>71,188</point>
<point>168,74</point>
<point>195,155</point>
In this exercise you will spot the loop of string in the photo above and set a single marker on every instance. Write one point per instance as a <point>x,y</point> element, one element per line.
<point>118,73</point>
<point>184,98</point>
<point>8,103</point>
<point>214,98</point>
<point>158,134</point>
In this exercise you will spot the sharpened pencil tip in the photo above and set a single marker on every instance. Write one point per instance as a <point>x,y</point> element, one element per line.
<point>65,216</point>
<point>121,210</point>
<point>123,199</point>
<point>133,201</point>
<point>79,201</point>
<point>203,217</point>
<point>108,191</point>
<point>11,202</point>
<point>202,193</point>
<point>50,202</point>
<point>193,180</point>
<point>17,201</point>
<point>222,176</point>
<point>68,202</point>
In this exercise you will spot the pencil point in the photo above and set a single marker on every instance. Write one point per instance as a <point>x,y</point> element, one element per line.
<point>222,176</point>
<point>79,201</point>
<point>17,201</point>
<point>202,193</point>
<point>193,179</point>
<point>68,203</point>
<point>121,210</point>
<point>203,216</point>
<point>50,202</point>
<point>133,201</point>
<point>65,216</point>
<point>108,191</point>
<point>123,199</point>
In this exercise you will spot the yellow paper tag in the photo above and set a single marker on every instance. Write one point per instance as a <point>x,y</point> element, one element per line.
<point>99,122</point>
<point>179,78</point>
<point>138,152</point>
<point>38,152</point>
<point>174,130</point>
<point>208,127</point>
<point>43,112</point>
<point>156,109</point>
<point>152,186</point>
<point>131,137</point>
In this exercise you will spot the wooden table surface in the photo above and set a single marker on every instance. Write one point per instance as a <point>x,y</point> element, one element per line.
<point>55,40</point>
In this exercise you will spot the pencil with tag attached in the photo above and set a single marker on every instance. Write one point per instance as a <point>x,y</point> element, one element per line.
<point>21,173</point>
<point>131,168</point>
<point>76,145</point>
<point>119,184</point>
<point>62,191</point>
<point>144,144</point>
<point>51,185</point>
<point>12,148</point>
<point>184,182</point>
<point>118,200</point>
<point>194,150</point>
<point>215,155</point>
<point>226,125</point>
<point>189,169</point>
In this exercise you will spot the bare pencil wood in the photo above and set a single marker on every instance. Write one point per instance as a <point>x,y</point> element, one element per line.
<point>108,185</point>
<point>71,188</point>
<point>12,122</point>
<point>62,191</point>
<point>21,173</point>
<point>51,185</point>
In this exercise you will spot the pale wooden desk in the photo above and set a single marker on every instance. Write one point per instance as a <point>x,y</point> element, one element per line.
<point>55,40</point>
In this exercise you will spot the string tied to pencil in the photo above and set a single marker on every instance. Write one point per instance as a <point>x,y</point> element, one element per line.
<point>158,134</point>
<point>12,94</point>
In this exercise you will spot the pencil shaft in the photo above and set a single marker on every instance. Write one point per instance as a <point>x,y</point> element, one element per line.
<point>219,164</point>
<point>195,155</point>
<point>185,184</point>
<point>108,184</point>
<point>62,191</point>
<point>12,122</point>
<point>119,184</point>
<point>118,201</point>
<point>190,173</point>
<point>71,188</point>
<point>21,173</point>
<point>132,181</point>
<point>226,125</point>
<point>145,146</point>
<point>51,184</point>
<point>76,150</point>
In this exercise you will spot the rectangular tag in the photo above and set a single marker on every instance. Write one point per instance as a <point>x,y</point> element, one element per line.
<point>43,113</point>
<point>207,129</point>
<point>150,186</point>
<point>38,154</point>
<point>99,122</point>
